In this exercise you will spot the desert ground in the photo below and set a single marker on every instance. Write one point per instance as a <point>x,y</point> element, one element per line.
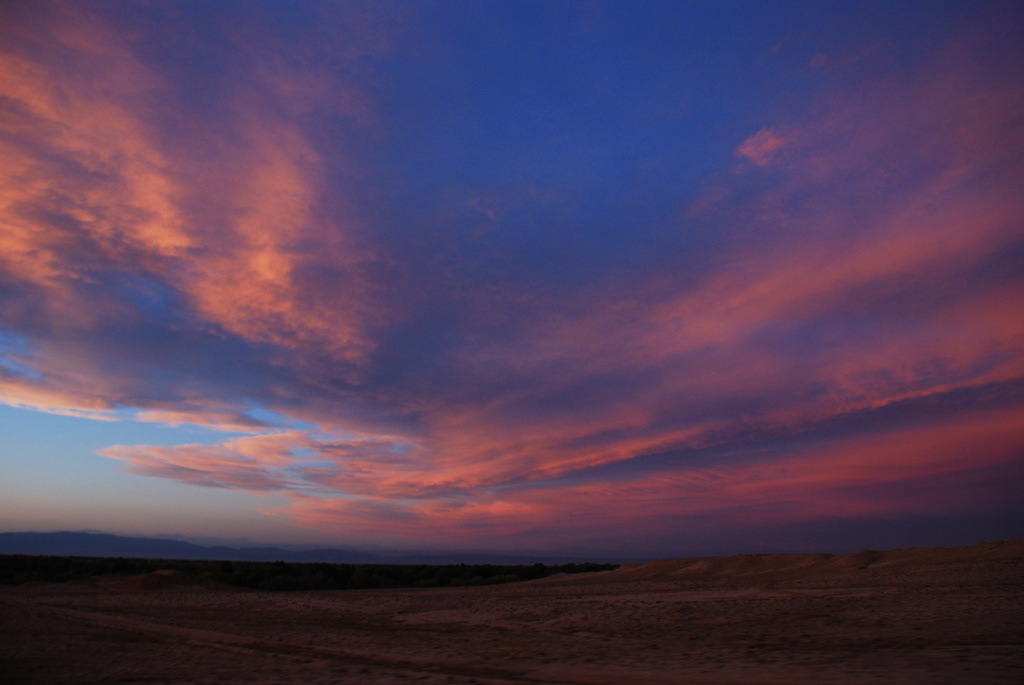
<point>928,615</point>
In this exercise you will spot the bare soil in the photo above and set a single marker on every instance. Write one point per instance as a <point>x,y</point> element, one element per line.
<point>904,616</point>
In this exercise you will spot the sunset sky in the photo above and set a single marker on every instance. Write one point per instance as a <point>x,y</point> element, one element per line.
<point>630,277</point>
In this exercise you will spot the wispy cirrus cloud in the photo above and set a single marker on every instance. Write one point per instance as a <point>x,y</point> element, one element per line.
<point>202,228</point>
<point>917,470</point>
<point>187,251</point>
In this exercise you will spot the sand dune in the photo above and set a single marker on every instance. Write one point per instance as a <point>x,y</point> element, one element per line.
<point>166,579</point>
<point>905,616</point>
<point>920,563</point>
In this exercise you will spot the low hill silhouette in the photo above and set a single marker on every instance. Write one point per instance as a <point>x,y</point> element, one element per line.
<point>169,579</point>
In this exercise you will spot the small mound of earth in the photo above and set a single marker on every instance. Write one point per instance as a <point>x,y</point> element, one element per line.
<point>166,579</point>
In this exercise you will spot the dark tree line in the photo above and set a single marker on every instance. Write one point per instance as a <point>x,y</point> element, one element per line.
<point>16,569</point>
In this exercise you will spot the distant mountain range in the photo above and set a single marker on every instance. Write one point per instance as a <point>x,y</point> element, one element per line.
<point>96,544</point>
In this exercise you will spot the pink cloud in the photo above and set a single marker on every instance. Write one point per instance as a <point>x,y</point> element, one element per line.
<point>840,285</point>
<point>844,480</point>
<point>260,464</point>
<point>761,147</point>
<point>227,219</point>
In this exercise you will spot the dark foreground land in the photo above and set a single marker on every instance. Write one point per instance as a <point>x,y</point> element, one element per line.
<point>18,569</point>
<point>906,616</point>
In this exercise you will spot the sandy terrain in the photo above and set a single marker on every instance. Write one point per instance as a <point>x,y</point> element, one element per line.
<point>909,616</point>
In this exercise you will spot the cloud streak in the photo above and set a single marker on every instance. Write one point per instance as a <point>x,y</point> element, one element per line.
<point>198,251</point>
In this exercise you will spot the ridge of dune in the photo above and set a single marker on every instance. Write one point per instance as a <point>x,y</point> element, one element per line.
<point>784,568</point>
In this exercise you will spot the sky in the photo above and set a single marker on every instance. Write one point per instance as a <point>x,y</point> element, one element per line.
<point>645,278</point>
